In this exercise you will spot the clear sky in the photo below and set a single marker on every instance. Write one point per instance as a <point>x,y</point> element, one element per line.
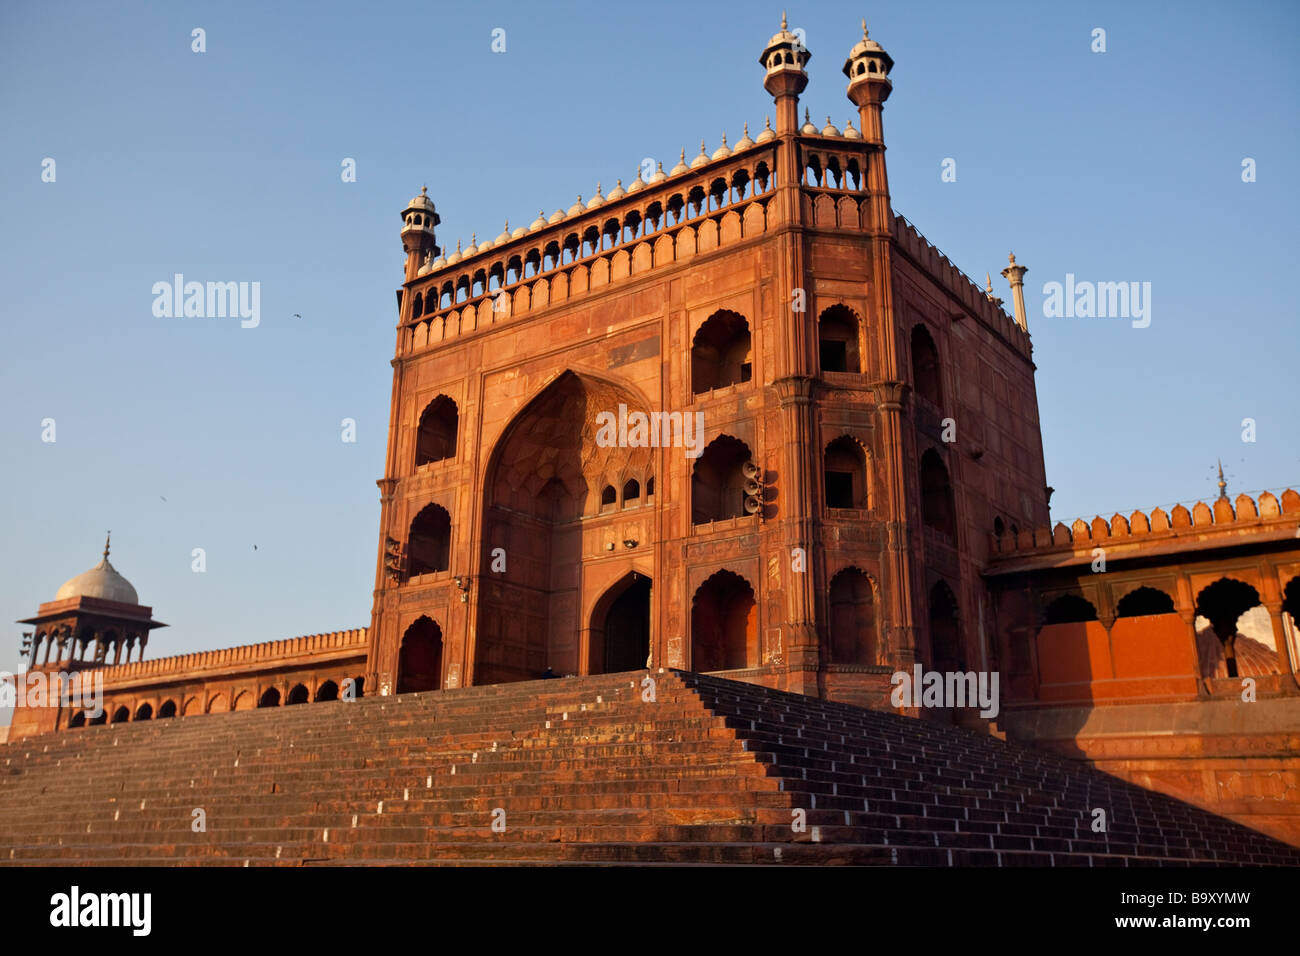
<point>225,165</point>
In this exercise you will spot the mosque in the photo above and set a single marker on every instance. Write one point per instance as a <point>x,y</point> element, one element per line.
<point>866,491</point>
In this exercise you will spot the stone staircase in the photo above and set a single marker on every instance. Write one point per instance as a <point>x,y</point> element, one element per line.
<point>581,770</point>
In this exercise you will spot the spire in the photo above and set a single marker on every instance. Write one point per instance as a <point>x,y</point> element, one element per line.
<point>1015,275</point>
<point>110,533</point>
<point>1223,485</point>
<point>786,26</point>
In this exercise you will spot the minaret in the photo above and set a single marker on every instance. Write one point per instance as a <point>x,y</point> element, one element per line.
<point>1223,485</point>
<point>418,220</point>
<point>1015,275</point>
<point>785,57</point>
<point>868,69</point>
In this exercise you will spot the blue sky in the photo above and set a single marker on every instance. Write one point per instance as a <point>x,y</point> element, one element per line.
<point>185,433</point>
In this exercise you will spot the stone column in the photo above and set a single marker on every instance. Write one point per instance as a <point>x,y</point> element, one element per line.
<point>1284,661</point>
<point>799,640</point>
<point>902,632</point>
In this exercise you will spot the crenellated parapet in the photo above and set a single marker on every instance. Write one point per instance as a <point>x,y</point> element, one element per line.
<point>974,300</point>
<point>1204,524</point>
<point>319,647</point>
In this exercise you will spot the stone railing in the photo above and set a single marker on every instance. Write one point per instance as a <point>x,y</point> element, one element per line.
<point>713,205</point>
<point>1223,515</point>
<point>247,655</point>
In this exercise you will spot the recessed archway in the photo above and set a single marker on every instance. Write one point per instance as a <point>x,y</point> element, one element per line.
<point>619,639</point>
<point>546,472</point>
<point>946,655</point>
<point>852,618</point>
<point>419,665</point>
<point>724,624</point>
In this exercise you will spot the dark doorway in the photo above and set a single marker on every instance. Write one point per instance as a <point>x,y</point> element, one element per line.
<point>420,666</point>
<point>627,628</point>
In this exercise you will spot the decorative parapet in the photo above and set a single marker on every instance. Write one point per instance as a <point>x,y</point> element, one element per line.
<point>327,647</point>
<point>959,285</point>
<point>720,202</point>
<point>1203,525</point>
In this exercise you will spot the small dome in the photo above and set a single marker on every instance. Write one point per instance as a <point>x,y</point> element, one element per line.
<point>485,245</point>
<point>808,129</point>
<point>829,129</point>
<point>577,208</point>
<point>557,216</point>
<point>505,235</point>
<point>596,200</point>
<point>660,175</point>
<point>766,136</point>
<point>521,231</point>
<point>867,45</point>
<point>473,245</point>
<point>637,184</point>
<point>702,159</point>
<point>680,168</point>
<point>539,222</point>
<point>426,268</point>
<point>102,581</point>
<point>438,263</point>
<point>421,201</point>
<point>850,132</point>
<point>783,35</point>
<point>618,192</point>
<point>456,256</point>
<point>744,142</point>
<point>723,151</point>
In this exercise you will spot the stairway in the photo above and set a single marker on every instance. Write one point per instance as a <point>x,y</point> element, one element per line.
<point>581,770</point>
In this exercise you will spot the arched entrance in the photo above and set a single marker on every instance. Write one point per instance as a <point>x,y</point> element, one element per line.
<point>945,637</point>
<point>724,624</point>
<point>853,619</point>
<point>419,666</point>
<point>619,638</point>
<point>542,492</point>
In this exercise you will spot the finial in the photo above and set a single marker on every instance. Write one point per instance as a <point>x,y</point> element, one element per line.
<point>458,245</point>
<point>988,283</point>
<point>424,191</point>
<point>864,29</point>
<point>1223,485</point>
<point>110,533</point>
<point>684,151</point>
<point>1012,257</point>
<point>597,189</point>
<point>702,153</point>
<point>660,164</point>
<point>507,227</point>
<point>768,122</point>
<point>806,117</point>
<point>783,23</point>
<point>473,238</point>
<point>619,184</point>
<point>724,139</point>
<point>746,136</point>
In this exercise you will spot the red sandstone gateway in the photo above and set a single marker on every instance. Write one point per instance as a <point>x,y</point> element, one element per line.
<point>865,495</point>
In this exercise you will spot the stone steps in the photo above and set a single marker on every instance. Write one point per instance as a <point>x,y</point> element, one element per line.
<point>713,772</point>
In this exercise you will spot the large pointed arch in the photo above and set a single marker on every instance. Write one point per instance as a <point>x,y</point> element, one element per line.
<point>544,476</point>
